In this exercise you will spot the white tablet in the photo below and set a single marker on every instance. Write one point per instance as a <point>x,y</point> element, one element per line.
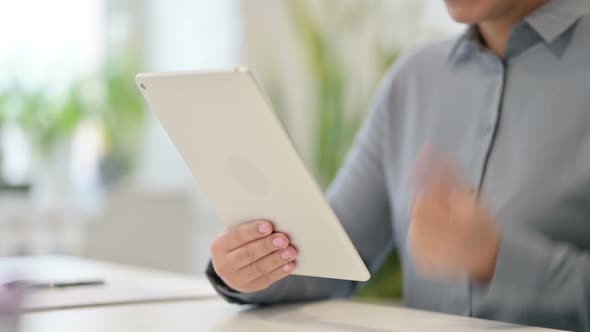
<point>244,162</point>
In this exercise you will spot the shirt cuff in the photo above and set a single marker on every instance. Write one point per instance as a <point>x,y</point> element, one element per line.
<point>229,294</point>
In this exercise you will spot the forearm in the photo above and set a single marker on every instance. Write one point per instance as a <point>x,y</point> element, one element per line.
<point>538,282</point>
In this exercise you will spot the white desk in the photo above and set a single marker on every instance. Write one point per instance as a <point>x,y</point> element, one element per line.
<point>216,315</point>
<point>143,300</point>
<point>123,285</point>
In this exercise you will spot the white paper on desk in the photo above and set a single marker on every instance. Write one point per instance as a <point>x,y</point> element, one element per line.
<point>123,285</point>
<point>109,294</point>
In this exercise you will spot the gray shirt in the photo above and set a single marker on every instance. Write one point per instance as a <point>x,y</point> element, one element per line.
<point>519,129</point>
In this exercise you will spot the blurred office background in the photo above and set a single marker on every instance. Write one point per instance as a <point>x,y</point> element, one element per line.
<point>86,170</point>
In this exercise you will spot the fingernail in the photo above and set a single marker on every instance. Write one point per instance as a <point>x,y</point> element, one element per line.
<point>278,242</point>
<point>263,228</point>
<point>287,267</point>
<point>287,254</point>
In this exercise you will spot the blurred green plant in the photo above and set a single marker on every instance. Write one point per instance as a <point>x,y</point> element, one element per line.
<point>3,98</point>
<point>386,283</point>
<point>47,120</point>
<point>335,129</point>
<point>109,97</point>
<point>122,116</point>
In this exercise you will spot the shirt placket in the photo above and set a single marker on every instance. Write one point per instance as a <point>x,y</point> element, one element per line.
<point>489,128</point>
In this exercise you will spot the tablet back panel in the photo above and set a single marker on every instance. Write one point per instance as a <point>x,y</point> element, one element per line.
<point>226,131</point>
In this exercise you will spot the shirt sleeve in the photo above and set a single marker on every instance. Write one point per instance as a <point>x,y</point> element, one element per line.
<point>538,282</point>
<point>359,198</point>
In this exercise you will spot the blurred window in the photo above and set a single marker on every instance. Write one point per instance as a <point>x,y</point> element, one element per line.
<point>49,42</point>
<point>45,45</point>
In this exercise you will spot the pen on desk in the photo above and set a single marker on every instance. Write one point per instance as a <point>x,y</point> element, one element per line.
<point>64,284</point>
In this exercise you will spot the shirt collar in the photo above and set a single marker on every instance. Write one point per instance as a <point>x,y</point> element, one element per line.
<point>468,43</point>
<point>549,23</point>
<point>554,18</point>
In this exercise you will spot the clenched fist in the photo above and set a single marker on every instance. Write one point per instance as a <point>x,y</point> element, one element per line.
<point>250,257</point>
